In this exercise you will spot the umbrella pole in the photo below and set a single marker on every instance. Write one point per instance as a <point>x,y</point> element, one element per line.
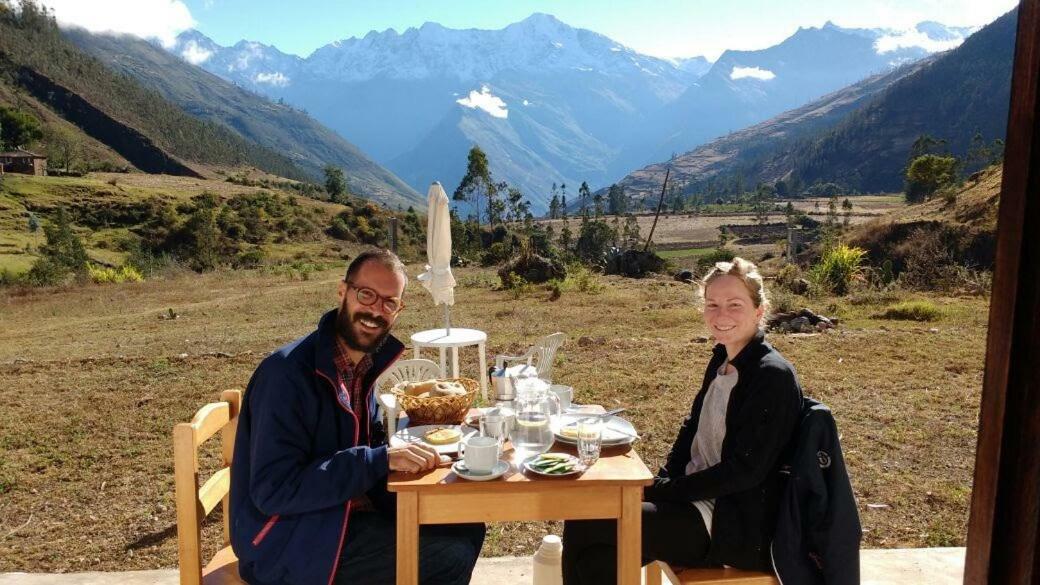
<point>447,319</point>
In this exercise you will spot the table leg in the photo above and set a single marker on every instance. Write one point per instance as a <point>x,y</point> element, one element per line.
<point>417,351</point>
<point>407,538</point>
<point>454,362</point>
<point>630,536</point>
<point>444,367</point>
<point>483,371</point>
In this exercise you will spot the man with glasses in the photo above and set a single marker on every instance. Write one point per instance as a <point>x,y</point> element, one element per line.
<point>308,485</point>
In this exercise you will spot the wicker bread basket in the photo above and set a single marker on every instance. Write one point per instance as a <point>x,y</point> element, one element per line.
<point>437,410</point>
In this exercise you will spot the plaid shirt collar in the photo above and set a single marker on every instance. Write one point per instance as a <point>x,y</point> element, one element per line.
<point>348,371</point>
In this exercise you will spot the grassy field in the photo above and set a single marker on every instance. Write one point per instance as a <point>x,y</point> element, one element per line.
<point>23,194</point>
<point>92,382</point>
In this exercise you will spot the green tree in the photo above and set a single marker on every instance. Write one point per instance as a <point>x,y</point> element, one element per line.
<point>616,203</point>
<point>62,255</point>
<point>17,128</point>
<point>927,174</point>
<point>336,184</point>
<point>583,194</point>
<point>563,206</point>
<point>597,205</point>
<point>477,185</point>
<point>594,242</point>
<point>846,206</point>
<point>554,206</point>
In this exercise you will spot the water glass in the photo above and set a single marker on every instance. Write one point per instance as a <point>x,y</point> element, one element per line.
<point>590,439</point>
<point>496,426</point>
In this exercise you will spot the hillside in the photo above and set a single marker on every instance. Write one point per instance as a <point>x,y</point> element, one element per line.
<point>950,97</point>
<point>719,156</point>
<point>278,127</point>
<point>549,102</point>
<point>140,125</point>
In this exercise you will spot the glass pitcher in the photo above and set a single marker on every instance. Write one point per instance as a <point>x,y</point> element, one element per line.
<point>534,405</point>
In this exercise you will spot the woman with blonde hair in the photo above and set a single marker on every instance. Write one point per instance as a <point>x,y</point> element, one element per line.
<point>715,500</point>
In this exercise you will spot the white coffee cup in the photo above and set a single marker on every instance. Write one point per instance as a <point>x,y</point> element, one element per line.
<point>479,453</point>
<point>564,393</point>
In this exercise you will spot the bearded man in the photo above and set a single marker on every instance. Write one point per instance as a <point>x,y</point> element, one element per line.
<point>308,486</point>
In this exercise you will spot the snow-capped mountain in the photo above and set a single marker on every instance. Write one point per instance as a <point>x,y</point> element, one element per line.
<point>547,101</point>
<point>744,88</point>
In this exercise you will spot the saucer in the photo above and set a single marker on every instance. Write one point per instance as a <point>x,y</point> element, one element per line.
<point>501,467</point>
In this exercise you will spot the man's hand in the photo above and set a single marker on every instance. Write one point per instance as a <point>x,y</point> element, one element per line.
<point>412,458</point>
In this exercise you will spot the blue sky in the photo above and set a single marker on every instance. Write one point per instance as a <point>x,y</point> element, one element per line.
<point>665,28</point>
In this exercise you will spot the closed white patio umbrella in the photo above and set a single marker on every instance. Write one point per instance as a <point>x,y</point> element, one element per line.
<point>438,278</point>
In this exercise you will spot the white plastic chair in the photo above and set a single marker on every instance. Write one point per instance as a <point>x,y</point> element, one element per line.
<point>402,371</point>
<point>541,355</point>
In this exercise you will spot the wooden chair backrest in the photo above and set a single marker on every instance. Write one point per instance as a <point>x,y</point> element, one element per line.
<point>195,502</point>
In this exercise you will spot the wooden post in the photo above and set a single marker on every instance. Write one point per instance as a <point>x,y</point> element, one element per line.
<point>660,202</point>
<point>1005,507</point>
<point>393,235</point>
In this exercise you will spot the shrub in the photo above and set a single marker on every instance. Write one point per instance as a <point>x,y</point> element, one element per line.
<point>497,253</point>
<point>63,254</point>
<point>516,285</point>
<point>782,301</point>
<point>837,268</point>
<point>707,261</point>
<point>107,275</point>
<point>912,311</point>
<point>594,242</point>
<point>927,174</point>
<point>585,281</point>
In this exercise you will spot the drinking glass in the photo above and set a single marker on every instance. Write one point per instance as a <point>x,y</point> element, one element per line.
<point>590,439</point>
<point>495,426</point>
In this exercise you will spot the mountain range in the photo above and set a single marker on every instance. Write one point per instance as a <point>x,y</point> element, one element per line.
<point>860,137</point>
<point>278,127</point>
<point>548,102</point>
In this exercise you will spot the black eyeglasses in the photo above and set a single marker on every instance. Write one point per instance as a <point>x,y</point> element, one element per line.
<point>368,297</point>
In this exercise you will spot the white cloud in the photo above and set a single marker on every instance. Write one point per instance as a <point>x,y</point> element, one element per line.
<point>913,38</point>
<point>752,72</point>
<point>485,100</point>
<point>276,79</point>
<point>158,19</point>
<point>195,54</point>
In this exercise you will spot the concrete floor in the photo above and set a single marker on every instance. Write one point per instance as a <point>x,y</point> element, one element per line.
<point>934,566</point>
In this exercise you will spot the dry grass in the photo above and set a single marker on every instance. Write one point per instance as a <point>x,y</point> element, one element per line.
<point>92,382</point>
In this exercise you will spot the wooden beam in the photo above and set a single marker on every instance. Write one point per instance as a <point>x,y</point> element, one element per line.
<point>1005,507</point>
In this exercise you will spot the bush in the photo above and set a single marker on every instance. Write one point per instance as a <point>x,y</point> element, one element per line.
<point>63,254</point>
<point>497,253</point>
<point>912,311</point>
<point>927,174</point>
<point>837,268</point>
<point>516,285</point>
<point>107,275</point>
<point>782,301</point>
<point>585,281</point>
<point>594,242</point>
<point>707,261</point>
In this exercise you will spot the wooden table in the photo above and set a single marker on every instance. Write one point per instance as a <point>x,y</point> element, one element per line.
<point>612,488</point>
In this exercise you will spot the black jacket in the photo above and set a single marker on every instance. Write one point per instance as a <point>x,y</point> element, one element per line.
<point>818,530</point>
<point>761,418</point>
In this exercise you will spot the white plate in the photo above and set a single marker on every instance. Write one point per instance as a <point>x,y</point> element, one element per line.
<point>501,467</point>
<point>616,430</point>
<point>416,434</point>
<point>578,467</point>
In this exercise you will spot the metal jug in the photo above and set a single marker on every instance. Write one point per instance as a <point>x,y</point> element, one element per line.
<point>503,378</point>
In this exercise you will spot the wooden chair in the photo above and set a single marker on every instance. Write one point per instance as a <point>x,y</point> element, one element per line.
<point>657,570</point>
<point>194,503</point>
<point>402,371</point>
<point>541,355</point>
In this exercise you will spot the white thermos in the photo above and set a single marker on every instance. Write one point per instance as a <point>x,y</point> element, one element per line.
<point>547,561</point>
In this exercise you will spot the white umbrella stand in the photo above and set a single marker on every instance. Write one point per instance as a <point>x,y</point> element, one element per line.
<point>438,278</point>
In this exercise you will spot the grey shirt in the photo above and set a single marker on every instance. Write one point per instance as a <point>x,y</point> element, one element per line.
<point>706,448</point>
